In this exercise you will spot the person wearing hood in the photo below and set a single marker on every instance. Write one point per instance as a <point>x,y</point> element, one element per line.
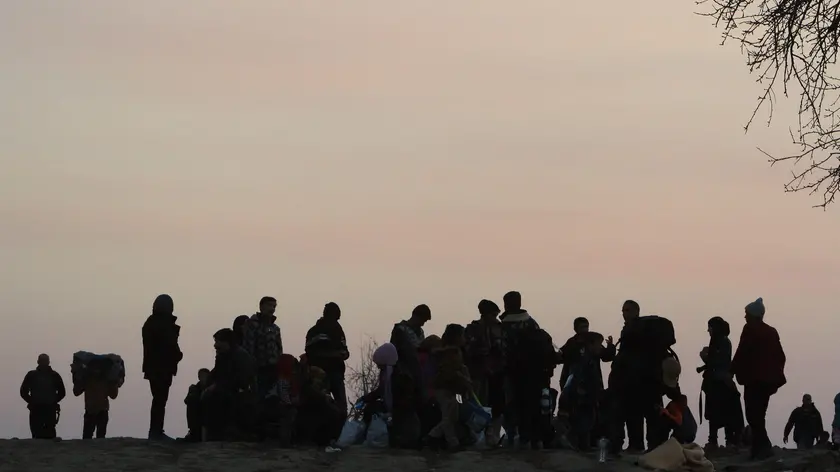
<point>396,390</point>
<point>759,365</point>
<point>452,378</point>
<point>263,341</point>
<point>525,351</point>
<point>485,360</point>
<point>806,423</point>
<point>42,390</point>
<point>326,348</point>
<point>723,401</point>
<point>161,355</point>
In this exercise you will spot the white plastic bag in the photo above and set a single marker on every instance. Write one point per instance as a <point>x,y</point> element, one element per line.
<point>377,432</point>
<point>352,433</point>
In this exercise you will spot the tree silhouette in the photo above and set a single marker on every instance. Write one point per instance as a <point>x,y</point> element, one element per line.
<point>791,45</point>
<point>363,377</point>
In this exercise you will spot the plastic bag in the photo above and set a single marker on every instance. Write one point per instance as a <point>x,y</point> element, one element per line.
<point>377,432</point>
<point>352,433</point>
<point>475,416</point>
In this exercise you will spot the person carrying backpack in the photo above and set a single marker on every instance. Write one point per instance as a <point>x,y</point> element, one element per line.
<point>635,379</point>
<point>529,360</point>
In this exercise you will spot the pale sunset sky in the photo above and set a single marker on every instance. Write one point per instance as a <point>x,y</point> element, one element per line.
<point>384,154</point>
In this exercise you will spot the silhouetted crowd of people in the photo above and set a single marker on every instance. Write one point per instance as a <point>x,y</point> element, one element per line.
<point>503,360</point>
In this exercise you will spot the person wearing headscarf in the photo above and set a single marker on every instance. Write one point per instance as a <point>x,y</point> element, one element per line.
<point>759,365</point>
<point>723,401</point>
<point>161,355</point>
<point>397,391</point>
<point>240,324</point>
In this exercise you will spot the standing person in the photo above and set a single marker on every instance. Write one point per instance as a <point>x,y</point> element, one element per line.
<point>42,390</point>
<point>485,361</point>
<point>723,401</point>
<point>406,337</point>
<point>98,390</point>
<point>806,423</point>
<point>326,347</point>
<point>452,378</point>
<point>759,365</point>
<point>263,341</point>
<point>635,380</point>
<point>529,358</point>
<point>161,355</point>
<point>573,351</point>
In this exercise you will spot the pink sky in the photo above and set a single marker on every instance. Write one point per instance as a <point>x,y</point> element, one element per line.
<point>382,155</point>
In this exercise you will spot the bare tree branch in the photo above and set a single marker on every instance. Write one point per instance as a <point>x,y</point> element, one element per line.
<point>363,377</point>
<point>791,44</point>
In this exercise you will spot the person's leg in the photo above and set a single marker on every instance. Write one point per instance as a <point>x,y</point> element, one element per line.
<point>755,407</point>
<point>88,425</point>
<point>448,418</point>
<point>159,387</point>
<point>101,424</point>
<point>338,389</point>
<point>50,421</point>
<point>634,418</point>
<point>35,426</point>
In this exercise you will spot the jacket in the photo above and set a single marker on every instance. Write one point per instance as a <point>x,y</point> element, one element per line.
<point>42,386</point>
<point>759,357</point>
<point>161,352</point>
<point>718,363</point>
<point>806,423</point>
<point>263,340</point>
<point>571,354</point>
<point>484,348</point>
<point>323,342</point>
<point>451,374</point>
<point>515,324</point>
<point>97,393</point>
<point>233,371</point>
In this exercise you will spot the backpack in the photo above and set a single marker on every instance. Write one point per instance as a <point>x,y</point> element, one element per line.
<point>536,350</point>
<point>656,336</point>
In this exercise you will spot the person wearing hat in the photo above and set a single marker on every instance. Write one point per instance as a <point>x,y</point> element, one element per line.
<point>759,365</point>
<point>806,423</point>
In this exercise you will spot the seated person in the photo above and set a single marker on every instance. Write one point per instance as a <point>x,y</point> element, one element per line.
<point>193,402</point>
<point>319,418</point>
<point>231,381</point>
<point>395,397</point>
<point>678,420</point>
<point>282,401</point>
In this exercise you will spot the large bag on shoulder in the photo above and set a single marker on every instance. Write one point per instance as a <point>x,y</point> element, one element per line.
<point>80,368</point>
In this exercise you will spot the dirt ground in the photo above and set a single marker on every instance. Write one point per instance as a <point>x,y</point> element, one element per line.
<point>137,455</point>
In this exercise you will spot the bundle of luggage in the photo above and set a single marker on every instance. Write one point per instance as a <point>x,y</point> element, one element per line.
<point>109,367</point>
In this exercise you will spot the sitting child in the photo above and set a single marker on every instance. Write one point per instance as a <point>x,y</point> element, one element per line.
<point>320,418</point>
<point>193,402</point>
<point>678,420</point>
<point>282,401</point>
<point>452,379</point>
